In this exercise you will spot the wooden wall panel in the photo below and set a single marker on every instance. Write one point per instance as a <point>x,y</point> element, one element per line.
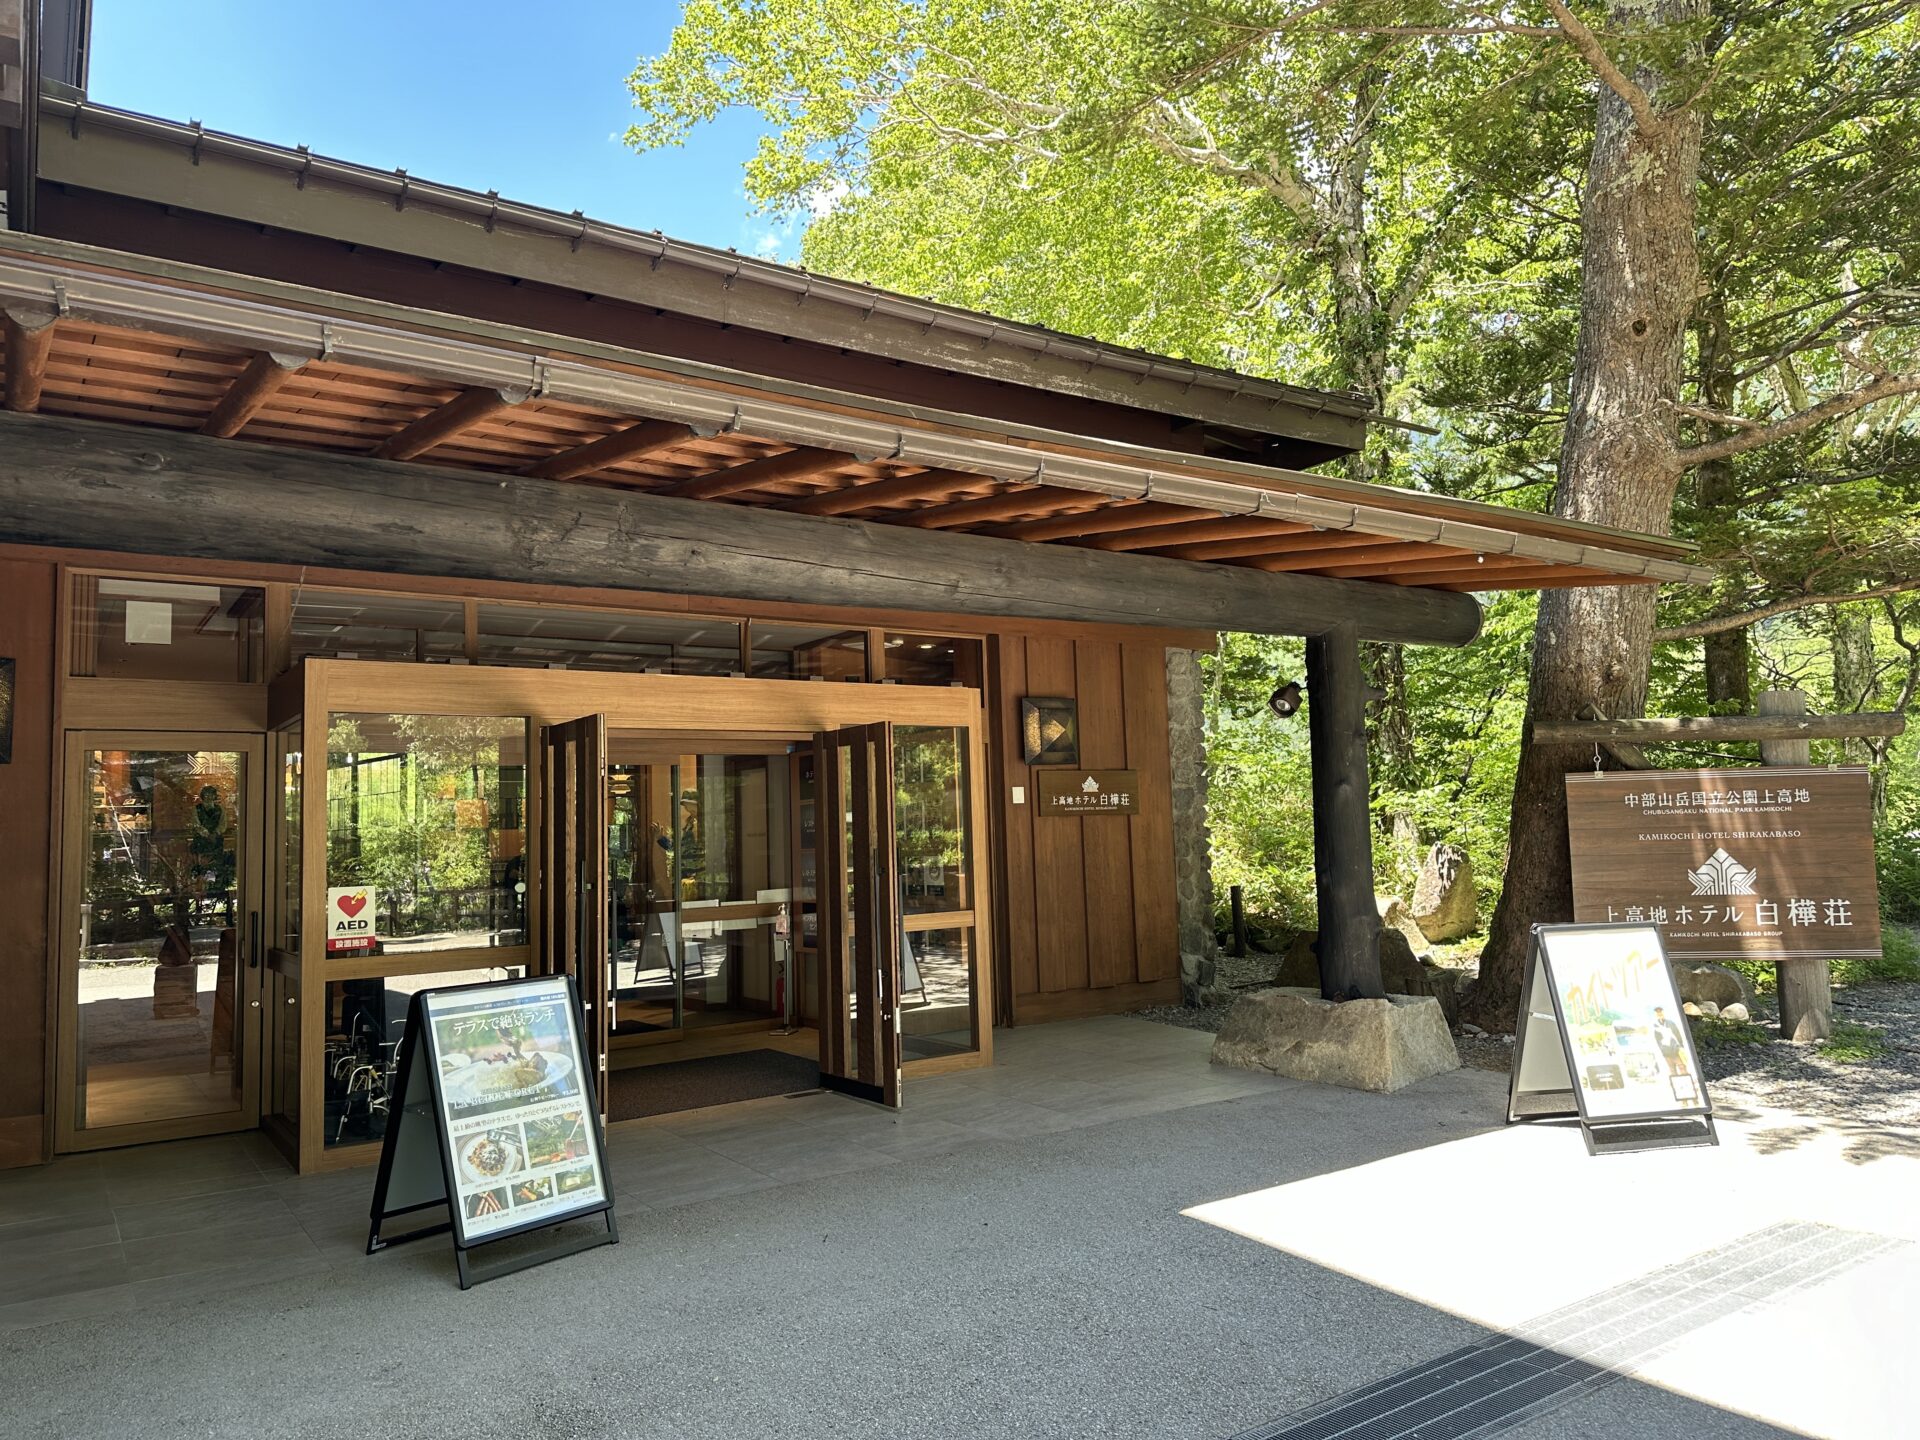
<point>26,798</point>
<point>1060,920</point>
<point>1016,853</point>
<point>1156,915</point>
<point>1104,840</point>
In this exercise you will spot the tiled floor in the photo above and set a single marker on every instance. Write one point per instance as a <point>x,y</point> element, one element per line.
<point>121,1230</point>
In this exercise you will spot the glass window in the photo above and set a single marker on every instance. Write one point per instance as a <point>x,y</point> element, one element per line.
<point>930,817</point>
<point>588,640</point>
<point>933,660</point>
<point>427,814</point>
<point>365,1020</point>
<point>331,625</point>
<point>802,652</point>
<point>936,993</point>
<point>166,630</point>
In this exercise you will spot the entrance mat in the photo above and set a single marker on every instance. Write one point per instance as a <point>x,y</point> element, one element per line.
<point>713,1080</point>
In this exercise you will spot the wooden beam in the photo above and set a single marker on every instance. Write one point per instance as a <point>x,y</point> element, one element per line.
<point>29,332</point>
<point>436,427</point>
<point>1199,527</point>
<point>636,442</point>
<point>90,485</point>
<point>1717,728</point>
<point>1515,577</point>
<point>1348,945</point>
<point>1305,540</point>
<point>1387,557</point>
<point>251,388</point>
<point>1024,500</point>
<point>1123,515</point>
<point>865,494</point>
<point>768,470</point>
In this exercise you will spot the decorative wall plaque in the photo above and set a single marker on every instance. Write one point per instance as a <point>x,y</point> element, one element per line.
<point>1050,731</point>
<point>1089,792</point>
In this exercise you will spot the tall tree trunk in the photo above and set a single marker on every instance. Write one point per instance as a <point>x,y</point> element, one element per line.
<point>1729,654</point>
<point>1850,640</point>
<point>1639,281</point>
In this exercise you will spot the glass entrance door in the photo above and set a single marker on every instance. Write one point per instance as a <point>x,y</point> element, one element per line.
<point>162,938</point>
<point>573,912</point>
<point>859,904</point>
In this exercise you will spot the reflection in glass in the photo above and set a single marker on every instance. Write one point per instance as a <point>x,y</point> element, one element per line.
<point>930,817</point>
<point>365,1020</point>
<point>804,652</point>
<point>933,660</point>
<point>593,640</point>
<point>166,630</point>
<point>936,993</point>
<point>331,624</point>
<point>161,919</point>
<point>429,811</point>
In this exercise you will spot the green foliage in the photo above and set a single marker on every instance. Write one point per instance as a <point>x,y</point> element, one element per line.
<point>1715,1034</point>
<point>1853,1043</point>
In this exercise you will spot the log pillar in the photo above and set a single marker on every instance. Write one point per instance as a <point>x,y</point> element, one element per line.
<point>1349,944</point>
<point>1805,987</point>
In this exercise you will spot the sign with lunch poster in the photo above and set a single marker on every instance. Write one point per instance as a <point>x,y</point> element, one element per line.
<point>1774,863</point>
<point>493,1078</point>
<point>1601,1035</point>
<point>353,926</point>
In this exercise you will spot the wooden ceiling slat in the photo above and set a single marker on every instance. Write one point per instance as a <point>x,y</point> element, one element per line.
<point>130,347</point>
<point>1201,526</point>
<point>72,380</point>
<point>195,405</point>
<point>265,373</point>
<point>1293,542</point>
<point>649,437</point>
<point>1100,520</point>
<point>1382,548</point>
<point>467,408</point>
<point>1529,577</point>
<point>124,414</point>
<point>755,474</point>
<point>891,490</point>
<point>1026,500</point>
<point>29,337</point>
<point>1385,559</point>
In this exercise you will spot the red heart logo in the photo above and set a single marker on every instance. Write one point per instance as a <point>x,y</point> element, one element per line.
<point>354,904</point>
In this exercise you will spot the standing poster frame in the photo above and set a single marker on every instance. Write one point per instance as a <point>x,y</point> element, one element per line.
<point>1546,1067</point>
<point>410,1179</point>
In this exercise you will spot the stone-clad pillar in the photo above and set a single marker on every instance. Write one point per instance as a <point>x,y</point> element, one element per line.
<point>1192,856</point>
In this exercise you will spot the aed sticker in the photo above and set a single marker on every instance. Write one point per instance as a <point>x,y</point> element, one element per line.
<point>350,920</point>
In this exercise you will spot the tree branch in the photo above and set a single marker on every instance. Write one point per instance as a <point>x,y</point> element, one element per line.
<point>1595,54</point>
<point>1831,408</point>
<point>1720,624</point>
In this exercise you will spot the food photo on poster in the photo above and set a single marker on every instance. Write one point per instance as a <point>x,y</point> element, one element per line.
<point>517,1115</point>
<point>1630,1051</point>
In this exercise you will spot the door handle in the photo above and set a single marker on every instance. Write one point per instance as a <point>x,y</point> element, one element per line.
<point>253,939</point>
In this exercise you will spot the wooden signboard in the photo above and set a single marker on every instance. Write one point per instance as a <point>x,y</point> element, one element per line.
<point>1088,792</point>
<point>1601,1036</point>
<point>1766,864</point>
<point>493,1116</point>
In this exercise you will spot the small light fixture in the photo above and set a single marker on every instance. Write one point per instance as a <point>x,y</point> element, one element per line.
<point>1285,702</point>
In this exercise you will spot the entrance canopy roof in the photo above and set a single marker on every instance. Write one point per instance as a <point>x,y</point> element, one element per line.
<point>107,335</point>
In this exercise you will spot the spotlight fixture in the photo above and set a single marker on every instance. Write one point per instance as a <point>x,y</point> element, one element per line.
<point>1285,702</point>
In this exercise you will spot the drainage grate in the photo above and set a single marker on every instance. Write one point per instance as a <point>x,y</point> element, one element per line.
<point>1486,1388</point>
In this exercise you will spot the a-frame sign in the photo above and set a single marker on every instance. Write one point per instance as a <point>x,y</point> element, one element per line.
<point>493,1115</point>
<point>1602,1037</point>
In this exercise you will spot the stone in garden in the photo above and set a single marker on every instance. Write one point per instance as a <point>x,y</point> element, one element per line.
<point>1736,1012</point>
<point>1444,904</point>
<point>1199,981</point>
<point>1699,982</point>
<point>1395,914</point>
<point>1400,972</point>
<point>1444,985</point>
<point>1701,1009</point>
<point>1378,1045</point>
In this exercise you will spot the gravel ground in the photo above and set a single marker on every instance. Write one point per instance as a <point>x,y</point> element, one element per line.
<point>1881,1093</point>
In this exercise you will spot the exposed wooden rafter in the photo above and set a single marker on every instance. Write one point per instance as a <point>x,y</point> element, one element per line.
<point>1200,525</point>
<point>1106,520</point>
<point>1025,500</point>
<point>1458,563</point>
<point>1376,559</point>
<point>636,442</point>
<point>1304,537</point>
<point>29,331</point>
<point>756,474</point>
<point>1528,578</point>
<point>436,427</point>
<point>251,389</point>
<point>896,489</point>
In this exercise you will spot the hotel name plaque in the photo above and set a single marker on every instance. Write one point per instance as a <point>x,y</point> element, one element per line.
<point>1088,792</point>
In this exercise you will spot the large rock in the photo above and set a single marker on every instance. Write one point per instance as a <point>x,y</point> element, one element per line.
<point>1444,904</point>
<point>1395,914</point>
<point>1378,1045</point>
<point>1701,983</point>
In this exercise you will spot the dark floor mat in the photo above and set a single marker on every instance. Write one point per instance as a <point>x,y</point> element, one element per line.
<point>714,1080</point>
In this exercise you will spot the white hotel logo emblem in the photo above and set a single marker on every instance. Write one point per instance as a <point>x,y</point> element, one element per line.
<point>1722,875</point>
<point>1090,786</point>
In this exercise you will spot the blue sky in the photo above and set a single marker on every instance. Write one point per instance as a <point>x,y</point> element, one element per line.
<point>466,92</point>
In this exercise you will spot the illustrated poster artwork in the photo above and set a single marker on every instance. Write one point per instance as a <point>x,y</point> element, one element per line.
<point>1631,1053</point>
